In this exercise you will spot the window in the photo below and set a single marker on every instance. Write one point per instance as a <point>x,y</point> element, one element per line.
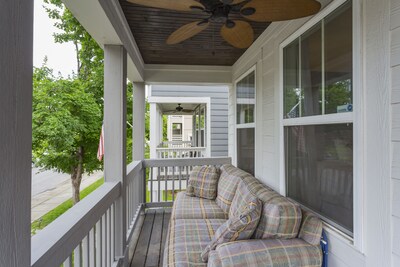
<point>317,81</point>
<point>245,122</point>
<point>199,126</point>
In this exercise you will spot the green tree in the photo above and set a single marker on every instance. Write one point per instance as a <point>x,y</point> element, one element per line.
<point>66,125</point>
<point>66,139</point>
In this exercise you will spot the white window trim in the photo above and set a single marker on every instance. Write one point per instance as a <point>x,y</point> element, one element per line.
<point>244,125</point>
<point>355,117</point>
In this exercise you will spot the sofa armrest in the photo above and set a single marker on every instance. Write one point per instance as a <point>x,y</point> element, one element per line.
<point>266,252</point>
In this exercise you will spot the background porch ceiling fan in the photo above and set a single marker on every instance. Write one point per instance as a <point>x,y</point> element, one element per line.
<point>179,109</point>
<point>237,33</point>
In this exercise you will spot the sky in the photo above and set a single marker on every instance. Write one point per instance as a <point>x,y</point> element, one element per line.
<point>61,57</point>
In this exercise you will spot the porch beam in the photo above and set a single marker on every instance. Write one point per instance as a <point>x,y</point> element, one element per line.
<point>16,43</point>
<point>115,134</point>
<point>192,75</point>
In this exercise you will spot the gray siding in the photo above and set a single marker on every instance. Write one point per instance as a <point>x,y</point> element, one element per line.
<point>219,110</point>
<point>395,105</point>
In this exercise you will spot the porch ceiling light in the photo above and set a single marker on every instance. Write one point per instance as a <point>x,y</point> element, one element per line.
<point>237,33</point>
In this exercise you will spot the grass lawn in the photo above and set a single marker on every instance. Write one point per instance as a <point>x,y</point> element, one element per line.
<point>46,219</point>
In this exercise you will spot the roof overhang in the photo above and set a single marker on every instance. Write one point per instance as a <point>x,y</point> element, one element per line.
<point>106,23</point>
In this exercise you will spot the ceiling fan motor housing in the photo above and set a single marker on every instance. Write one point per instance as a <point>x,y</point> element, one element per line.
<point>179,108</point>
<point>220,14</point>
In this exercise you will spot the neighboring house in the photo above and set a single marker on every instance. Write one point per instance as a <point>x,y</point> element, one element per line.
<point>203,119</point>
<point>179,128</point>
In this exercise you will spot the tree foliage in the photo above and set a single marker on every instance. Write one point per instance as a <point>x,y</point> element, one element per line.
<point>89,55</point>
<point>66,125</point>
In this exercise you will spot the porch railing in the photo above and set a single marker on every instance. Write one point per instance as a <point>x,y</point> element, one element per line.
<point>179,149</point>
<point>181,152</point>
<point>85,235</point>
<point>166,177</point>
<point>174,144</point>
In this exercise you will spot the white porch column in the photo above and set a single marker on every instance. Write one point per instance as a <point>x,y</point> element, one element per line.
<point>139,111</point>
<point>138,132</point>
<point>115,133</point>
<point>16,43</point>
<point>154,128</point>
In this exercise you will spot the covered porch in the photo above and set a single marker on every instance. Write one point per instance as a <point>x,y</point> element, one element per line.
<point>123,222</point>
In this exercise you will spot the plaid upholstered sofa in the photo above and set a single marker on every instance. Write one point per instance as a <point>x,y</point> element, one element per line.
<point>285,235</point>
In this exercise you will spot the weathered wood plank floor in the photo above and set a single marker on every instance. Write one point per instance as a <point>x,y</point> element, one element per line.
<point>150,246</point>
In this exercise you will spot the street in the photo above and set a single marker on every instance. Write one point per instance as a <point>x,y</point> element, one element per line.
<point>50,189</point>
<point>46,180</point>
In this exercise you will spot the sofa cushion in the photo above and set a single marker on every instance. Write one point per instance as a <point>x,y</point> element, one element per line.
<point>280,217</point>
<point>311,228</point>
<point>186,207</point>
<point>241,200</point>
<point>227,185</point>
<point>266,252</point>
<point>236,228</point>
<point>186,239</point>
<point>203,182</point>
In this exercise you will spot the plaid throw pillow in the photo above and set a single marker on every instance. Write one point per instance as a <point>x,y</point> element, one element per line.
<point>203,182</point>
<point>311,228</point>
<point>236,228</point>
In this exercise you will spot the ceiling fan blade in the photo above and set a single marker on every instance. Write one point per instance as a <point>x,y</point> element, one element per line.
<point>278,10</point>
<point>231,2</point>
<point>181,5</point>
<point>241,35</point>
<point>187,31</point>
<point>235,2</point>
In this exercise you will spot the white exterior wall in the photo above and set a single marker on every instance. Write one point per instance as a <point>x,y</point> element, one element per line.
<point>187,127</point>
<point>375,244</point>
<point>395,105</point>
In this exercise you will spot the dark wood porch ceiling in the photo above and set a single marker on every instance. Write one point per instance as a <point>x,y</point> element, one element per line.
<point>151,28</point>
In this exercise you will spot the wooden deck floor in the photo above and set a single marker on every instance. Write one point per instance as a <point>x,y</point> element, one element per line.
<point>150,245</point>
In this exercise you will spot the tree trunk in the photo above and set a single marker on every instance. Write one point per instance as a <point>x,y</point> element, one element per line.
<point>76,176</point>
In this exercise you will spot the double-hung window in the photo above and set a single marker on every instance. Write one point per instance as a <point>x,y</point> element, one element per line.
<point>317,118</point>
<point>245,121</point>
<point>199,126</point>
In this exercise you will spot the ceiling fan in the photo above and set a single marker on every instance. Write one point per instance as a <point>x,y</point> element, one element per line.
<point>179,109</point>
<point>237,33</point>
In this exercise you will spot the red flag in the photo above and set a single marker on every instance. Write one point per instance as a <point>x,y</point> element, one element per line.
<point>100,150</point>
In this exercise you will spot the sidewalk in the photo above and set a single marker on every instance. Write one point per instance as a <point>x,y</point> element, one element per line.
<point>48,200</point>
